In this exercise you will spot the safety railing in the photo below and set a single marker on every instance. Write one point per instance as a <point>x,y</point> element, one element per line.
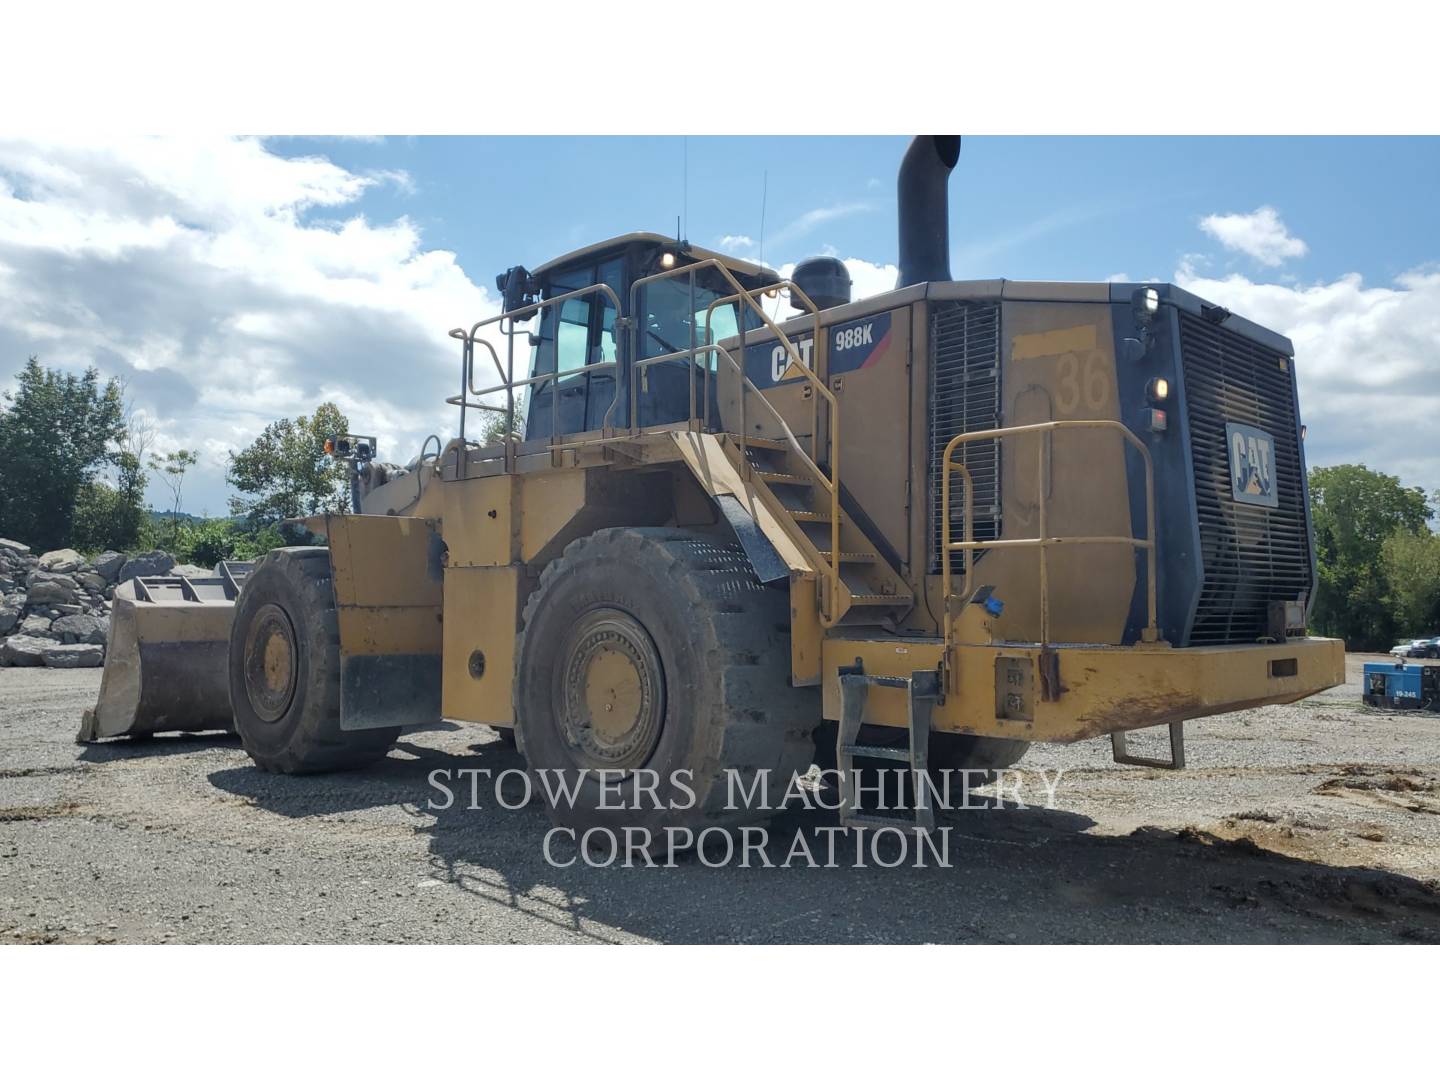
<point>829,481</point>
<point>507,322</point>
<point>1044,541</point>
<point>744,298</point>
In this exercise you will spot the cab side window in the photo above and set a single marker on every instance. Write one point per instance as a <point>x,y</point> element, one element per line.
<point>572,347</point>
<point>577,333</point>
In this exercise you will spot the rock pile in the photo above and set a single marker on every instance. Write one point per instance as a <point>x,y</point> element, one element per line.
<point>55,608</point>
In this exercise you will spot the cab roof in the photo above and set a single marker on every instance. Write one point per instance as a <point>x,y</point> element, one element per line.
<point>619,243</point>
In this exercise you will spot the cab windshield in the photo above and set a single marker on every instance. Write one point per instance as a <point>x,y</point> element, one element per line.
<point>675,315</point>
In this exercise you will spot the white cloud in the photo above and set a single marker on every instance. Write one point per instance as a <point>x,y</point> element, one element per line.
<point>735,245</point>
<point>870,279</point>
<point>811,220</point>
<point>866,279</point>
<point>1261,235</point>
<point>229,286</point>
<point>1367,362</point>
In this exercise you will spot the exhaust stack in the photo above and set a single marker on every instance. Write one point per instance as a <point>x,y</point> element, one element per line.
<point>925,208</point>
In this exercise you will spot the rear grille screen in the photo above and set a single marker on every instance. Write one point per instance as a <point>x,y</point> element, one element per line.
<point>964,396</point>
<point>1252,554</point>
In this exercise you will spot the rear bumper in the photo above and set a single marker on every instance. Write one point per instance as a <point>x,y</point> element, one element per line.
<point>1072,692</point>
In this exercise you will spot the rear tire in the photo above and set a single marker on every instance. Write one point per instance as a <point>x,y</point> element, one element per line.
<point>285,670</point>
<point>951,751</point>
<point>656,651</point>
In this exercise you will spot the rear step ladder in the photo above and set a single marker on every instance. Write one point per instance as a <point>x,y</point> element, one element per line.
<point>1122,755</point>
<point>923,688</point>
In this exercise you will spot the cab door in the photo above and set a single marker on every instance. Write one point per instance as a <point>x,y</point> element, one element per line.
<point>574,336</point>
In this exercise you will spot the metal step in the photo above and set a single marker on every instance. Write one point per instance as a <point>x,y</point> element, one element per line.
<point>785,478</point>
<point>923,688</point>
<point>896,753</point>
<point>756,442</point>
<point>853,556</point>
<point>810,515</point>
<point>878,600</point>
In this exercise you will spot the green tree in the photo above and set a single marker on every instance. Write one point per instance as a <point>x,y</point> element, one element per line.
<point>172,469</point>
<point>1412,569</point>
<point>286,473</point>
<point>207,541</point>
<point>492,428</point>
<point>1355,510</point>
<point>56,431</point>
<point>112,516</point>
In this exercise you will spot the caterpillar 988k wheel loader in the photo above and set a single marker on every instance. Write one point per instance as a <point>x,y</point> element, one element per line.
<point>952,519</point>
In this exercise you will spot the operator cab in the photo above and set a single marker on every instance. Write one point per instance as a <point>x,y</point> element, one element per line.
<point>577,338</point>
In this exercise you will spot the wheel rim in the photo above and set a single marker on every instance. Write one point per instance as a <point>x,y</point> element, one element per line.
<point>270,663</point>
<point>609,691</point>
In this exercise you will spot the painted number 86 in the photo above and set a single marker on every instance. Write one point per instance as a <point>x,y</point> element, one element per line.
<point>1082,379</point>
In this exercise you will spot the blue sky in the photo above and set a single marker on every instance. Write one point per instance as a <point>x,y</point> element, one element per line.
<point>1071,208</point>
<point>234,280</point>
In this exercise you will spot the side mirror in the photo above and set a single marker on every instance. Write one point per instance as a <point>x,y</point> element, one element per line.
<point>517,288</point>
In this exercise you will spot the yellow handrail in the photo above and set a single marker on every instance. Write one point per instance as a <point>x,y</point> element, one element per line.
<point>832,482</point>
<point>831,592</point>
<point>509,383</point>
<point>1044,542</point>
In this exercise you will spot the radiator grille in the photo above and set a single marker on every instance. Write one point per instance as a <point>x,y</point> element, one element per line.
<point>1252,555</point>
<point>964,396</point>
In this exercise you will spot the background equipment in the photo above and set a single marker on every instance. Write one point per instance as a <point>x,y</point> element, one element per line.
<point>1402,686</point>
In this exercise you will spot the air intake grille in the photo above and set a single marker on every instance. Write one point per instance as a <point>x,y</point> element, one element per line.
<point>1252,555</point>
<point>964,396</point>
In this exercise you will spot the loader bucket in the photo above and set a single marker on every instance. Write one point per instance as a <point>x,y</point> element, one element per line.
<point>167,657</point>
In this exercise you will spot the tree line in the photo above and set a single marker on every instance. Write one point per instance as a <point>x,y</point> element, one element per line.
<point>76,461</point>
<point>1378,560</point>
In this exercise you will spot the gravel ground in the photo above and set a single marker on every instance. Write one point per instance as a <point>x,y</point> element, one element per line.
<point>1317,822</point>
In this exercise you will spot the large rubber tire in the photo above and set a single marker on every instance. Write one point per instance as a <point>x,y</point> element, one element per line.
<point>285,670</point>
<point>716,645</point>
<point>951,751</point>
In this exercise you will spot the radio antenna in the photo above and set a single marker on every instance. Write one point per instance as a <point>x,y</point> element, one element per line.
<point>685,184</point>
<point>764,190</point>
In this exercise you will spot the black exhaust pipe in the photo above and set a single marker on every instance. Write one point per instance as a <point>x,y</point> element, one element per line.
<point>923,189</point>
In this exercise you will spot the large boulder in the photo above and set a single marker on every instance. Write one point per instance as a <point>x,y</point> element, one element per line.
<point>62,561</point>
<point>149,564</point>
<point>81,629</point>
<point>109,564</point>
<point>37,626</point>
<point>10,617</point>
<point>73,656</point>
<point>22,651</point>
<point>188,570</point>
<point>47,588</point>
<point>91,581</point>
<point>13,547</point>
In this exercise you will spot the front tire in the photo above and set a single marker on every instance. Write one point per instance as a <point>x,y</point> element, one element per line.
<point>656,654</point>
<point>285,670</point>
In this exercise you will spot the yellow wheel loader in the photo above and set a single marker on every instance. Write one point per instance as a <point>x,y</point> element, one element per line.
<point>949,520</point>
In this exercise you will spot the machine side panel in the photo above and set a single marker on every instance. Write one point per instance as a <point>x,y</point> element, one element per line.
<point>1058,363</point>
<point>481,620</point>
<point>387,580</point>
